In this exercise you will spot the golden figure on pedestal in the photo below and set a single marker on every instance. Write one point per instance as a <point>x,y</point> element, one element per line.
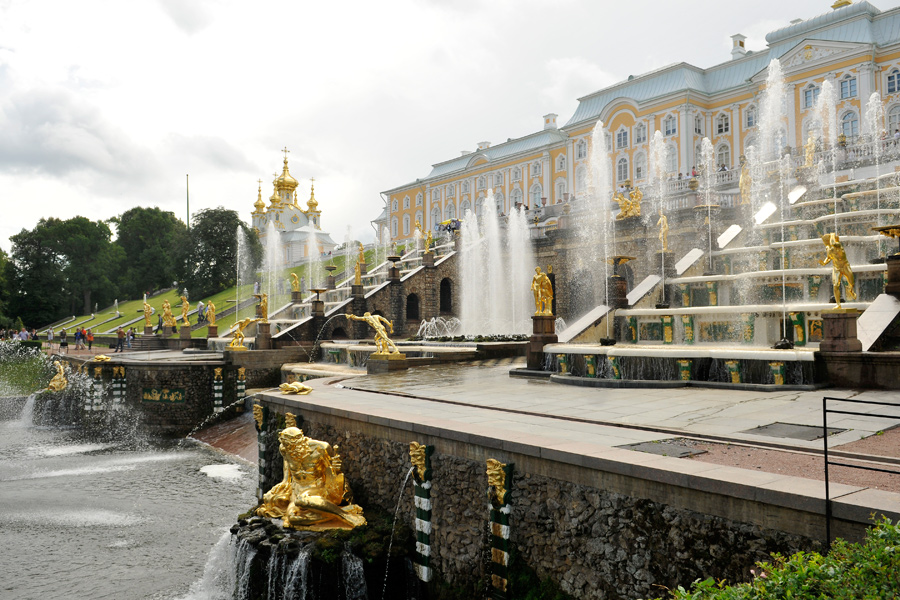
<point>295,283</point>
<point>745,183</point>
<point>497,479</point>
<point>211,313</point>
<point>263,307</point>
<point>543,293</point>
<point>417,457</point>
<point>840,267</point>
<point>810,151</point>
<point>663,231</point>
<point>148,310</point>
<point>168,317</point>
<point>362,254</point>
<point>383,344</point>
<point>59,381</point>
<point>295,388</point>
<point>184,310</point>
<point>312,495</point>
<point>629,207</point>
<point>239,327</point>
<point>357,274</point>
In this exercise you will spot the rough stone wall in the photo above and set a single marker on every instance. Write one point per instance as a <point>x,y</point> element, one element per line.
<point>594,543</point>
<point>174,418</point>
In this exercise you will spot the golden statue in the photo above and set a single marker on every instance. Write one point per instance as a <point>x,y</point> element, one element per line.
<point>383,344</point>
<point>810,149</point>
<point>184,310</point>
<point>59,381</point>
<point>543,293</point>
<point>745,183</point>
<point>238,328</point>
<point>663,231</point>
<point>362,254</point>
<point>211,313</point>
<point>263,307</point>
<point>258,415</point>
<point>101,358</point>
<point>148,310</point>
<point>295,283</point>
<point>294,388</point>
<point>357,274</point>
<point>312,495</point>
<point>429,240</point>
<point>840,266</point>
<point>497,480</point>
<point>629,207</point>
<point>417,457</point>
<point>168,317</point>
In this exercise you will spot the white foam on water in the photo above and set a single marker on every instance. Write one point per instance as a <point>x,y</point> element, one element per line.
<point>75,518</point>
<point>224,472</point>
<point>68,450</point>
<point>71,472</point>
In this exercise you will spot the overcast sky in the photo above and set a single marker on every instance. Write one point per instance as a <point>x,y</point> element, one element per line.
<point>106,105</point>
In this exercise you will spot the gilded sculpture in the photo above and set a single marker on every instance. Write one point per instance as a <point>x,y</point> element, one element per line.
<point>745,183</point>
<point>101,358</point>
<point>357,274</point>
<point>263,307</point>
<point>663,224</point>
<point>312,495</point>
<point>239,327</point>
<point>59,382</point>
<point>496,475</point>
<point>383,344</point>
<point>258,415</point>
<point>840,267</point>
<point>630,206</point>
<point>290,420</point>
<point>810,151</point>
<point>362,254</point>
<point>417,458</point>
<point>168,317</point>
<point>211,313</point>
<point>148,310</point>
<point>185,307</point>
<point>543,293</point>
<point>295,283</point>
<point>295,388</point>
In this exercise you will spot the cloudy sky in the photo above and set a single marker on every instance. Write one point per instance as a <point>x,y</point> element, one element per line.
<point>105,104</point>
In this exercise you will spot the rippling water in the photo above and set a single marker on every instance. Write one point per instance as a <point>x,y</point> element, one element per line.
<point>136,519</point>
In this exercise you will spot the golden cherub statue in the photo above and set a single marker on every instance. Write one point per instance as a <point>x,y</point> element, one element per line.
<point>543,293</point>
<point>184,310</point>
<point>295,283</point>
<point>629,208</point>
<point>263,307</point>
<point>362,254</point>
<point>148,310</point>
<point>168,317</point>
<point>295,388</point>
<point>238,328</point>
<point>663,231</point>
<point>357,274</point>
<point>840,266</point>
<point>383,344</point>
<point>745,183</point>
<point>59,381</point>
<point>312,495</point>
<point>211,313</point>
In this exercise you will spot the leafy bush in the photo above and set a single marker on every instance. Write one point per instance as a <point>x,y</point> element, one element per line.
<point>869,570</point>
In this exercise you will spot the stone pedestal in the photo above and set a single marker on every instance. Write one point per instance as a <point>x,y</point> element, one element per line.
<point>296,297</point>
<point>618,291</point>
<point>330,282</point>
<point>148,329</point>
<point>362,268</point>
<point>543,332</point>
<point>385,363</point>
<point>184,337</point>
<point>839,331</point>
<point>263,336</point>
<point>357,291</point>
<point>167,331</point>
<point>394,272</point>
<point>318,308</point>
<point>893,275</point>
<point>212,331</point>
<point>428,259</point>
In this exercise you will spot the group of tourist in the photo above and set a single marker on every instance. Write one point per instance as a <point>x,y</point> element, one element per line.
<point>14,334</point>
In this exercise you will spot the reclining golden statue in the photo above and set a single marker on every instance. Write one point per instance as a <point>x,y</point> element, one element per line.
<point>313,495</point>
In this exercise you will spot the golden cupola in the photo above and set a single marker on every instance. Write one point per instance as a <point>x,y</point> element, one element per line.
<point>285,184</point>
<point>259,206</point>
<point>312,206</point>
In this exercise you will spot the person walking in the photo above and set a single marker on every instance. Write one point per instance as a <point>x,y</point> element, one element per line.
<point>77,339</point>
<point>120,340</point>
<point>50,338</point>
<point>90,339</point>
<point>129,337</point>
<point>63,343</point>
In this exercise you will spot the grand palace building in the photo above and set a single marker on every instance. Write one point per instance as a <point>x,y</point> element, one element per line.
<point>855,46</point>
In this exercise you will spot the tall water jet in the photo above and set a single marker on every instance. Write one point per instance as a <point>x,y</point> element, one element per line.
<point>826,114</point>
<point>874,124</point>
<point>708,179</point>
<point>658,152</point>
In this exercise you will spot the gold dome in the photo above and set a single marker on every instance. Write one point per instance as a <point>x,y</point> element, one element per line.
<point>285,182</point>
<point>259,205</point>
<point>312,205</point>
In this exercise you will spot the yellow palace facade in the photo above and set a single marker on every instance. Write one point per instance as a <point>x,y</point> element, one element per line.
<point>855,46</point>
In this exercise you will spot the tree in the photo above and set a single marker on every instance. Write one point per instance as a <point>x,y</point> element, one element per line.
<point>6,274</point>
<point>209,260</point>
<point>150,239</point>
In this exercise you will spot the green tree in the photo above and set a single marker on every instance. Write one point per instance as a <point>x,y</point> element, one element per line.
<point>6,274</point>
<point>209,259</point>
<point>150,239</point>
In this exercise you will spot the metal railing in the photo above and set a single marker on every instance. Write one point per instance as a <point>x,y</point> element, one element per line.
<point>825,412</point>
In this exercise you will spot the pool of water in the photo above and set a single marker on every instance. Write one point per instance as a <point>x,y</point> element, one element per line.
<point>126,519</point>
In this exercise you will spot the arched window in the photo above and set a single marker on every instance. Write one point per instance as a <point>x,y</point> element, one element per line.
<point>622,169</point>
<point>698,124</point>
<point>536,169</point>
<point>419,199</point>
<point>581,150</point>
<point>560,189</point>
<point>446,301</point>
<point>498,200</point>
<point>640,133</point>
<point>395,205</point>
<point>464,207</point>
<point>622,138</point>
<point>394,227</point>
<point>723,124</point>
<point>406,202</point>
<point>498,179</point>
<point>451,190</point>
<point>450,211</point>
<point>419,218</point>
<point>517,174</point>
<point>412,307</point>
<point>561,162</point>
<point>894,119</point>
<point>848,87</point>
<point>749,141</point>
<point>581,181</point>
<point>435,195</point>
<point>671,159</point>
<point>850,125</point>
<point>893,81</point>
<point>536,193</point>
<point>723,155</point>
<point>516,196</point>
<point>479,207</point>
<point>405,224</point>
<point>670,125</point>
<point>751,117</point>
<point>481,182</point>
<point>465,187</point>
<point>435,216</point>
<point>640,166</point>
<point>810,95</point>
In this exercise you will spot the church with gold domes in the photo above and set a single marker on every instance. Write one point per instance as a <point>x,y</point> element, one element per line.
<point>299,230</point>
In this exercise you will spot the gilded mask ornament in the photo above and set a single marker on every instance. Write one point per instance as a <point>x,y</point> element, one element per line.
<point>496,475</point>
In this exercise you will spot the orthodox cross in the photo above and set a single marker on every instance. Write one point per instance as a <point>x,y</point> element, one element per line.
<point>285,150</point>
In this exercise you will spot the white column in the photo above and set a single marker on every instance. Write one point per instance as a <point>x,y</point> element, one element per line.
<point>547,170</point>
<point>865,85</point>
<point>684,137</point>
<point>791,109</point>
<point>570,169</point>
<point>735,134</point>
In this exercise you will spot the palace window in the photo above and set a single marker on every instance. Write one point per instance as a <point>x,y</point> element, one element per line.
<point>893,84</point>
<point>723,155</point>
<point>850,125</point>
<point>419,199</point>
<point>698,125</point>
<point>394,227</point>
<point>481,182</point>
<point>406,202</point>
<point>622,169</point>
<point>751,116</point>
<point>560,190</point>
<point>581,180</point>
<point>405,224</point>
<point>608,137</point>
<point>451,190</point>
<point>517,174</point>
<point>893,119</point>
<point>848,87</point>
<point>640,133</point>
<point>536,169</point>
<point>451,211</point>
<point>435,195</point>
<point>580,150</point>
<point>622,138</point>
<point>435,215</point>
<point>464,207</point>
<point>465,187</point>
<point>498,179</point>
<point>394,205</point>
<point>419,218</point>
<point>498,199</point>
<point>516,196</point>
<point>810,95</point>
<point>671,159</point>
<point>536,193</point>
<point>670,125</point>
<point>640,166</point>
<point>561,163</point>
<point>723,124</point>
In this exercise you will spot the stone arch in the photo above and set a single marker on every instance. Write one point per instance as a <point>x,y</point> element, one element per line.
<point>412,308</point>
<point>339,334</point>
<point>446,297</point>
